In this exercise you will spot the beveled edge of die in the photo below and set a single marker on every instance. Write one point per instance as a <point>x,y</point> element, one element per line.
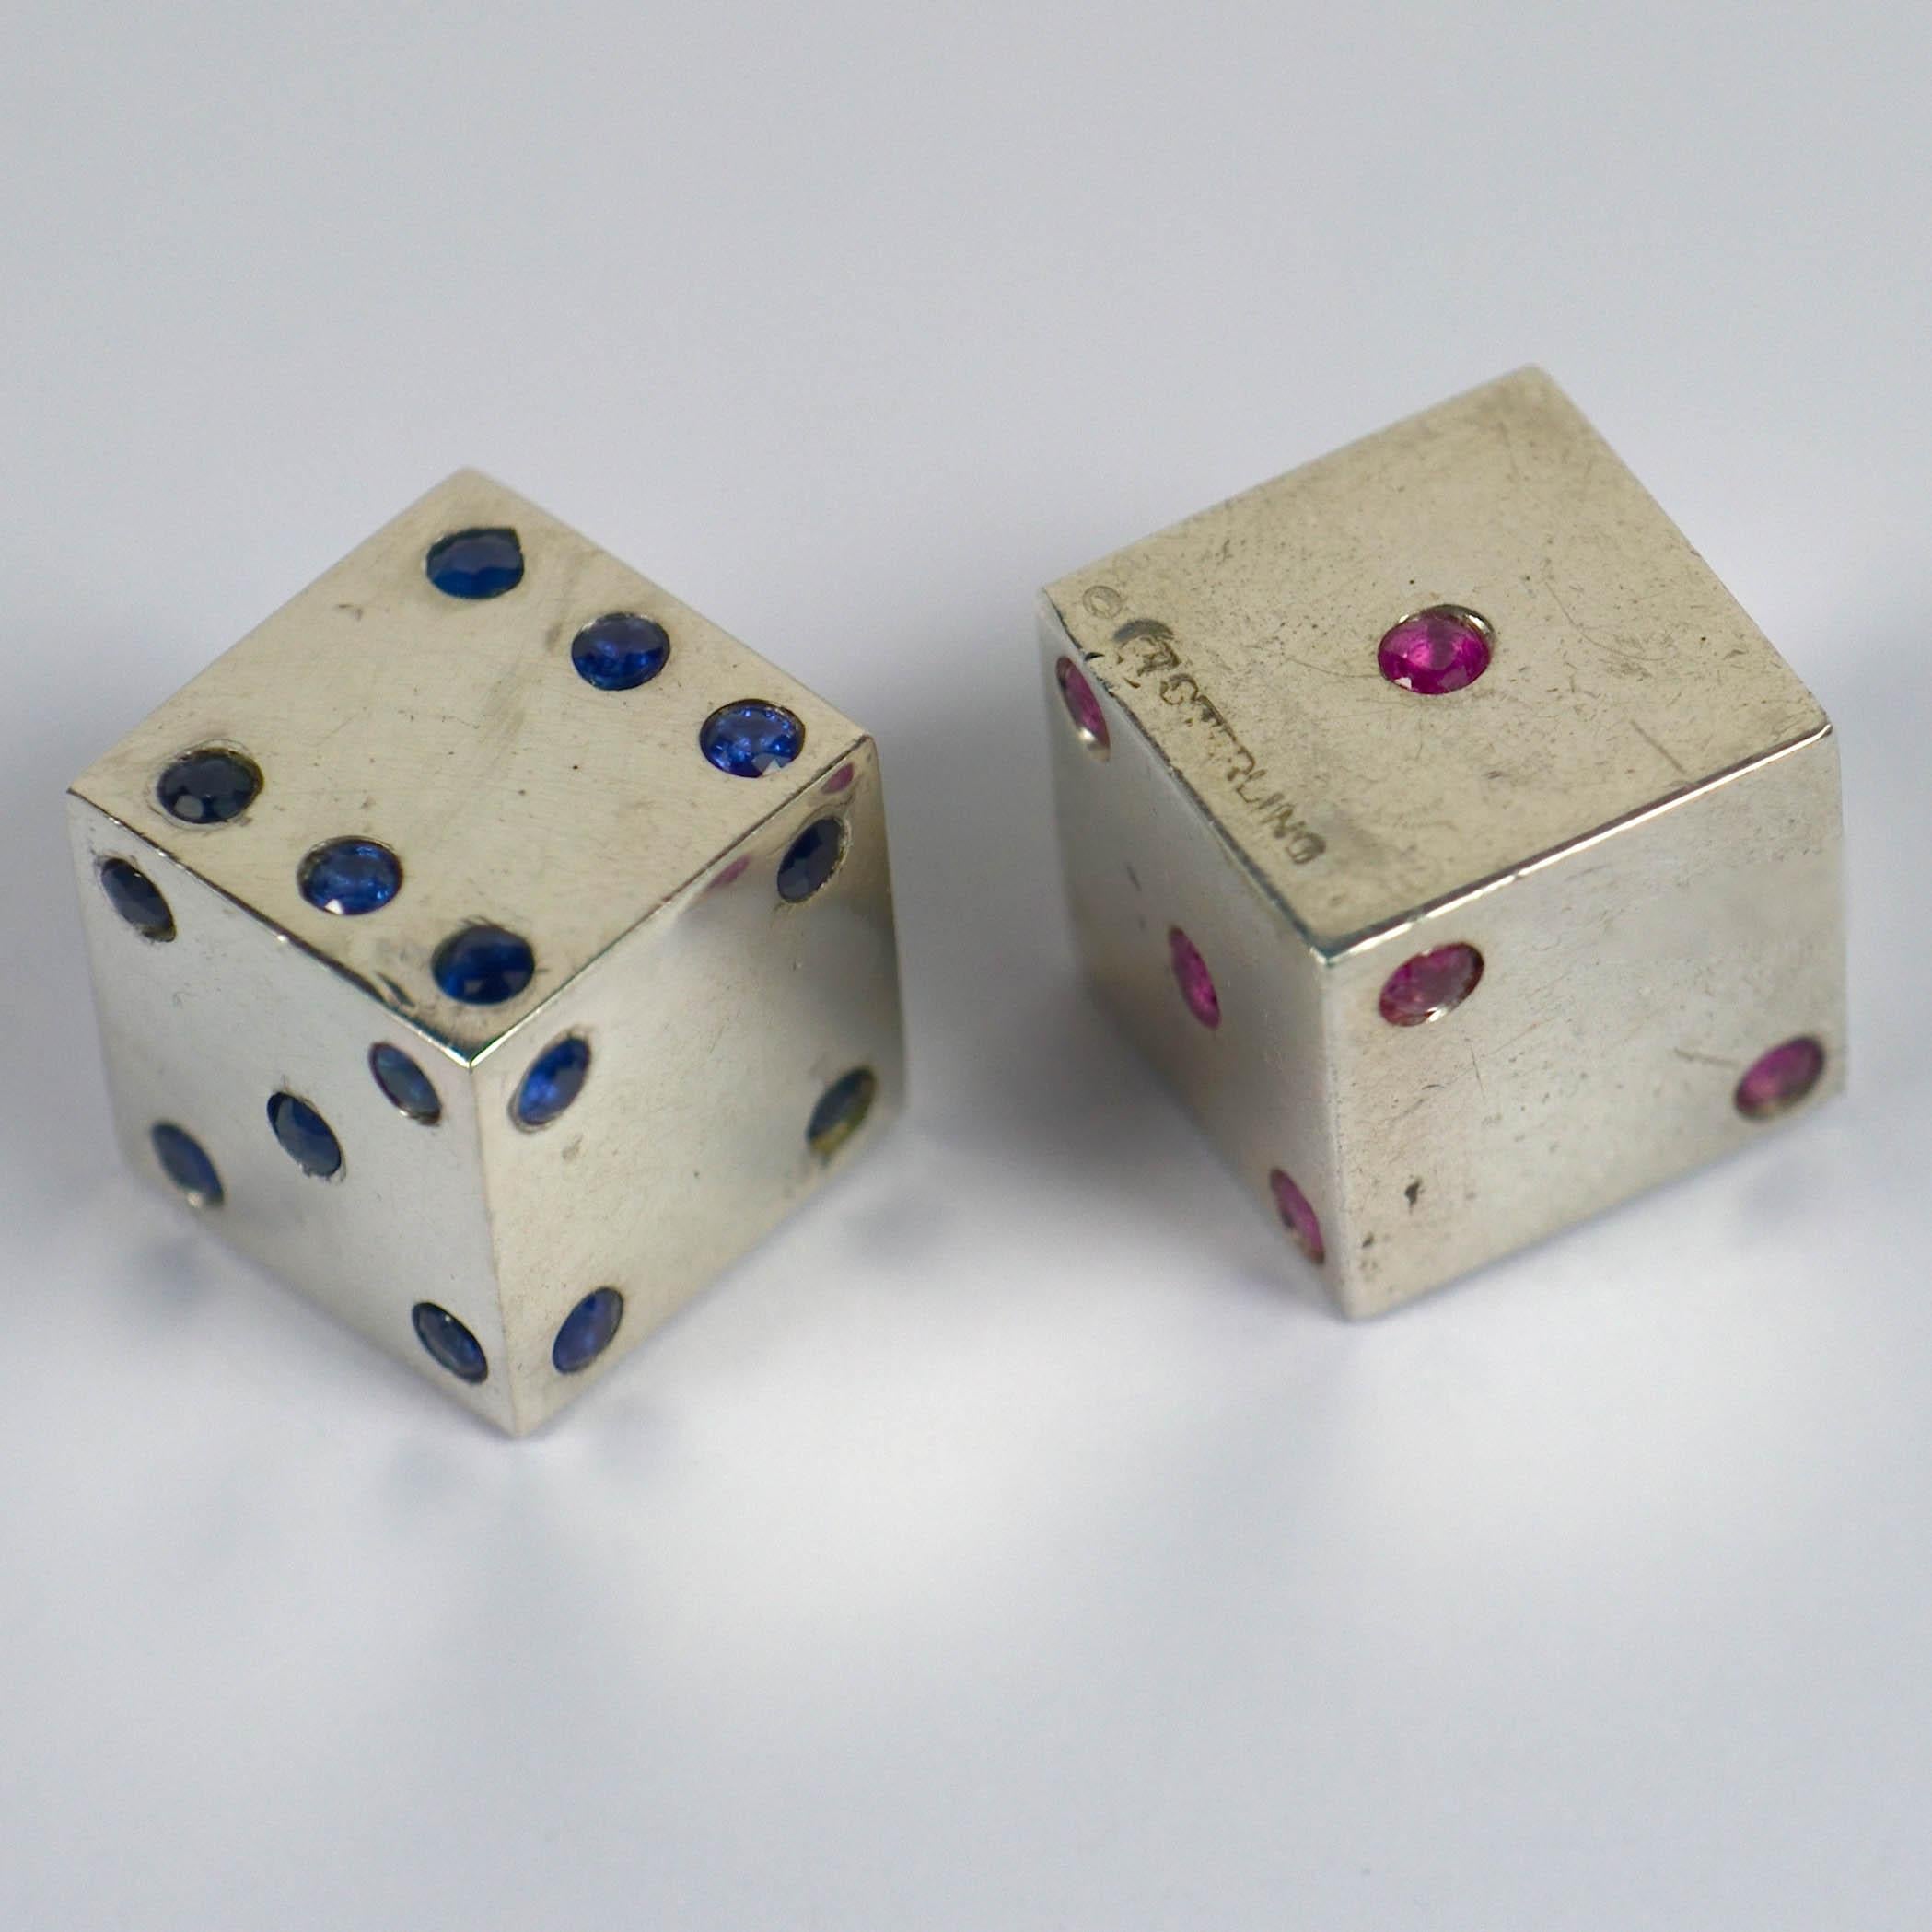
<point>1332,950</point>
<point>538,1395</point>
<point>515,1031</point>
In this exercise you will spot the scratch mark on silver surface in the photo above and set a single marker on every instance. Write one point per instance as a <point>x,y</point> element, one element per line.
<point>1622,659</point>
<point>1659,748</point>
<point>1428,1094</point>
<point>1684,1052</point>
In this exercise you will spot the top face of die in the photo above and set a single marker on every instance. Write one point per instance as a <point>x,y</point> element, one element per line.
<point>427,697</point>
<point>1246,643</point>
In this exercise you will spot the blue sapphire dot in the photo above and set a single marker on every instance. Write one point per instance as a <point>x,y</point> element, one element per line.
<point>749,739</point>
<point>555,1078</point>
<point>621,651</point>
<point>814,856</point>
<point>209,787</point>
<point>842,1111</point>
<point>306,1138</point>
<point>475,563</point>
<point>484,965</point>
<point>404,1083</point>
<point>450,1343</point>
<point>137,899</point>
<point>351,877</point>
<point>185,1163</point>
<point>587,1331</point>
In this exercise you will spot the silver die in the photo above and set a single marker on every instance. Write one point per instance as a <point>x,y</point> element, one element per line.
<point>1632,815</point>
<point>457,733</point>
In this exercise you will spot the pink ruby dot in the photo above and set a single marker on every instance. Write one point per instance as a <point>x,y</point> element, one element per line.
<point>731,873</point>
<point>1297,1216</point>
<point>839,780</point>
<point>1082,707</point>
<point>1780,1078</point>
<point>1191,974</point>
<point>1430,985</point>
<point>1436,651</point>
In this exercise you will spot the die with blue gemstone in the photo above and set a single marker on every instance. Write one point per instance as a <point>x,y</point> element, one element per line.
<point>492,947</point>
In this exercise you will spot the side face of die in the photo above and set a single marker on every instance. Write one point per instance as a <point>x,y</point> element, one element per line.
<point>499,948</point>
<point>1449,839</point>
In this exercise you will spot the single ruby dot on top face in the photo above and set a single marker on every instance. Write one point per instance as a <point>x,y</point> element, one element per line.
<point>1191,974</point>
<point>1438,650</point>
<point>1781,1078</point>
<point>1430,985</point>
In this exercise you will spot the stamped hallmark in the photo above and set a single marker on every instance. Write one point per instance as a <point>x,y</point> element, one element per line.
<point>1148,654</point>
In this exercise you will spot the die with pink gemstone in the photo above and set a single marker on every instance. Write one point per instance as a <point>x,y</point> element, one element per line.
<point>1471,861</point>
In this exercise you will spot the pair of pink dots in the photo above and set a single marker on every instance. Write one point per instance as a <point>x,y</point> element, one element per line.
<point>1420,989</point>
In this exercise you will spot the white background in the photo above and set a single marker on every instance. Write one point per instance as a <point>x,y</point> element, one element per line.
<point>1014,1541</point>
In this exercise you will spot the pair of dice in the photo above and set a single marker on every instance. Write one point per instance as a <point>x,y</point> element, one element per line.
<point>496,950</point>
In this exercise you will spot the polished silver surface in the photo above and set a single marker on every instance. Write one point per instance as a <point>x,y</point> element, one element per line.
<point>1633,815</point>
<point>458,734</point>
